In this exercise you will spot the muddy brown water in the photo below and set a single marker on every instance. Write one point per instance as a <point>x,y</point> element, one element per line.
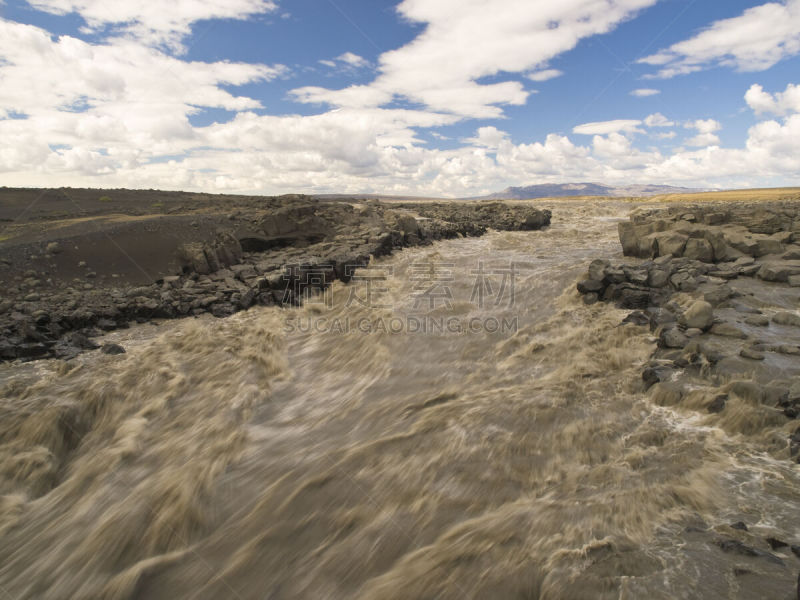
<point>279,454</point>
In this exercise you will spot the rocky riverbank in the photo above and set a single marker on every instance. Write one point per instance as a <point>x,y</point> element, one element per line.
<point>100,264</point>
<point>719,286</point>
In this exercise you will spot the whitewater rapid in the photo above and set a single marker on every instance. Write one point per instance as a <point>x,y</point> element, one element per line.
<point>339,451</point>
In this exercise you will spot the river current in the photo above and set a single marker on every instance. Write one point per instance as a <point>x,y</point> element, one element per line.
<point>454,423</point>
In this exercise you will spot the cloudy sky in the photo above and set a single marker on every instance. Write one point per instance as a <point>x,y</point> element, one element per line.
<point>429,97</point>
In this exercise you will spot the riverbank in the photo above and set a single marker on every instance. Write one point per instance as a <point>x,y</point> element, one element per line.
<point>719,286</point>
<point>74,263</point>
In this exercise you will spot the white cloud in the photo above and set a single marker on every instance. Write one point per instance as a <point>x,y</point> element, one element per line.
<point>616,152</point>
<point>489,137</point>
<point>645,92</point>
<point>544,75</point>
<point>606,127</point>
<point>353,97</point>
<point>346,62</point>
<point>703,140</point>
<point>705,132</point>
<point>434,70</point>
<point>152,21</point>
<point>658,120</point>
<point>354,60</point>
<point>119,114</point>
<point>782,103</point>
<point>704,125</point>
<point>754,41</point>
<point>121,93</point>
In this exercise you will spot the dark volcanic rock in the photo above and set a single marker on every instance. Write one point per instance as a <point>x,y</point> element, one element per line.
<point>720,293</point>
<point>211,260</point>
<point>717,405</point>
<point>590,285</point>
<point>112,349</point>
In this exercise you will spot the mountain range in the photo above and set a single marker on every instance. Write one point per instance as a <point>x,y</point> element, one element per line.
<point>557,190</point>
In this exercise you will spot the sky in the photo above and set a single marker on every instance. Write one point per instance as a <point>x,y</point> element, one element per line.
<point>447,98</point>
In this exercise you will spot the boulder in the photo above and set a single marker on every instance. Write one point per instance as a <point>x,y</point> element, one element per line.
<point>793,253</point>
<point>766,246</point>
<point>683,282</point>
<point>673,338</point>
<point>757,321</point>
<point>655,374</point>
<point>779,270</point>
<point>636,275</point>
<point>719,294</point>
<point>717,405</point>
<point>637,317</point>
<point>660,316</point>
<point>597,269</point>
<point>723,252</point>
<point>657,278</point>
<point>591,298</point>
<point>590,285</point>
<point>194,257</point>
<point>632,243</point>
<point>699,315</point>
<point>614,275</point>
<point>112,349</point>
<point>786,318</point>
<point>632,297</point>
<point>741,241</point>
<point>699,249</point>
<point>669,243</point>
<point>751,353</point>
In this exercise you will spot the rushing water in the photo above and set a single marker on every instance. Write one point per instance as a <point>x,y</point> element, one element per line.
<point>279,454</point>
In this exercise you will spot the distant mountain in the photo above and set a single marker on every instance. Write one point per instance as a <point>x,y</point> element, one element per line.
<point>558,190</point>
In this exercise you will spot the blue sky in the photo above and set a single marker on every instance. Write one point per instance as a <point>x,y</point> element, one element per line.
<point>428,97</point>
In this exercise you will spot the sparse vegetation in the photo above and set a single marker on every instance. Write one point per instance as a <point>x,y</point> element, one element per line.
<point>105,198</point>
<point>754,195</point>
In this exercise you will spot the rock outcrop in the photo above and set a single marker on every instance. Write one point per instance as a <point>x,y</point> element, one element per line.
<point>273,251</point>
<point>716,285</point>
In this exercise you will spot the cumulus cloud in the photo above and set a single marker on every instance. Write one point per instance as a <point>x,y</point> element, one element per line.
<point>702,140</point>
<point>754,41</point>
<point>544,75</point>
<point>348,61</point>
<point>152,21</point>
<point>489,137</point>
<point>40,73</point>
<point>704,125</point>
<point>658,120</point>
<point>645,92</point>
<point>120,94</point>
<point>606,127</point>
<point>355,96</point>
<point>354,60</point>
<point>119,113</point>
<point>782,103</point>
<point>433,69</point>
<point>705,132</point>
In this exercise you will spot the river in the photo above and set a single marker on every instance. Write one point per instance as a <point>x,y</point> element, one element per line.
<point>454,423</point>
